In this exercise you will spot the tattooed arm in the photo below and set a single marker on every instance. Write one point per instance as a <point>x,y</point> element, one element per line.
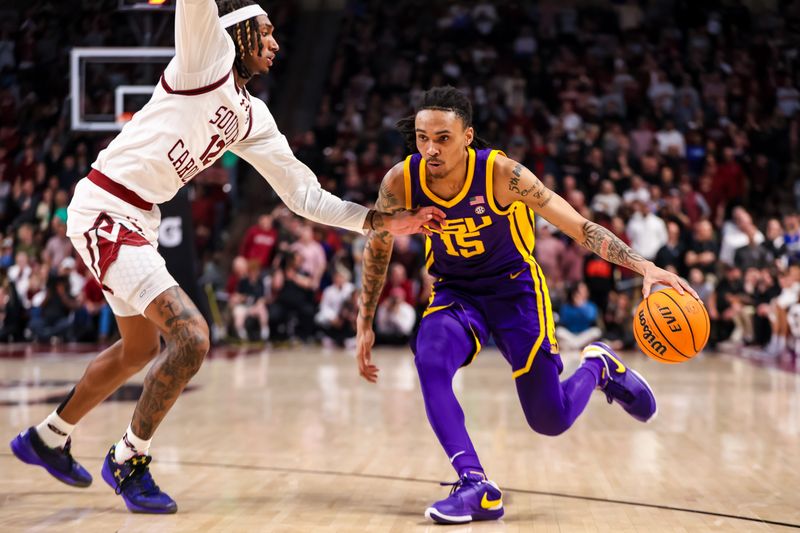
<point>512,182</point>
<point>391,199</point>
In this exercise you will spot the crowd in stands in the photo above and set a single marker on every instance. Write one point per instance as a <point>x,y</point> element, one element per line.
<point>674,124</point>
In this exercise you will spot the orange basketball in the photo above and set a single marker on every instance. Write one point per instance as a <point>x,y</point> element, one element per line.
<point>671,328</point>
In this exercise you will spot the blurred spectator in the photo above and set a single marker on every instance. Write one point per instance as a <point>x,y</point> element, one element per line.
<point>671,141</point>
<point>648,233</point>
<point>12,313</point>
<point>260,241</point>
<point>407,252</point>
<point>311,255</point>
<point>702,252</point>
<point>753,254</point>
<point>607,200</point>
<point>736,233</point>
<point>20,274</point>
<point>250,301</point>
<point>670,256</point>
<point>550,251</point>
<point>767,290</point>
<point>26,242</point>
<point>7,252</point>
<point>58,246</point>
<point>94,320</point>
<point>730,180</point>
<point>791,238</point>
<point>239,268</point>
<point>744,308</point>
<point>75,280</point>
<point>292,310</point>
<point>52,320</point>
<point>638,192</point>
<point>397,278</point>
<point>774,245</point>
<point>789,282</point>
<point>726,302</point>
<point>395,318</point>
<point>701,285</point>
<point>618,322</point>
<point>334,324</point>
<point>577,318</point>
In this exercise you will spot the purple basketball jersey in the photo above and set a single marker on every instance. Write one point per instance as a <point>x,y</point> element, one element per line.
<point>478,238</point>
<point>484,265</point>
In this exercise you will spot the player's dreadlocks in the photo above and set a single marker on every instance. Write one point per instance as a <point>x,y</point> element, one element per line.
<point>244,34</point>
<point>445,98</point>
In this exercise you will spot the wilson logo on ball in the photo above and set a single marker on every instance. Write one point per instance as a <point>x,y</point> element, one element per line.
<point>649,337</point>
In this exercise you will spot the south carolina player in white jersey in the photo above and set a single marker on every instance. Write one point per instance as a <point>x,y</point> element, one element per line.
<point>199,110</point>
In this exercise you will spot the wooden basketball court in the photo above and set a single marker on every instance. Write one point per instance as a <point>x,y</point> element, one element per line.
<point>293,440</point>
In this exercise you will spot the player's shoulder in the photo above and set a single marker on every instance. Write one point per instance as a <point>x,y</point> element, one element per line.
<point>502,164</point>
<point>393,184</point>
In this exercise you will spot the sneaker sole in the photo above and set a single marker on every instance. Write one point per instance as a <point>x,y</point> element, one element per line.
<point>431,513</point>
<point>28,455</point>
<point>132,506</point>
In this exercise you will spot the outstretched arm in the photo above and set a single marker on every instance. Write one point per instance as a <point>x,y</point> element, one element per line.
<point>269,152</point>
<point>513,182</point>
<point>377,253</point>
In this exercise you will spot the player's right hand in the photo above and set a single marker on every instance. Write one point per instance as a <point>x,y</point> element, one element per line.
<point>365,339</point>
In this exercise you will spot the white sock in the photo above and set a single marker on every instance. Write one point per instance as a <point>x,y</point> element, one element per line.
<point>265,334</point>
<point>129,446</point>
<point>54,431</point>
<point>781,345</point>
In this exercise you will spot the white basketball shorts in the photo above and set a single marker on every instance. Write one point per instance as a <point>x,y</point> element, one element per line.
<point>118,242</point>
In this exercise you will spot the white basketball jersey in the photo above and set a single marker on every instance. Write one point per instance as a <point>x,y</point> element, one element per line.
<point>197,113</point>
<point>175,136</point>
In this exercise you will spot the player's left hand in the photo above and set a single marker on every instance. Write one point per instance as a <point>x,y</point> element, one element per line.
<point>420,220</point>
<point>365,339</point>
<point>653,274</point>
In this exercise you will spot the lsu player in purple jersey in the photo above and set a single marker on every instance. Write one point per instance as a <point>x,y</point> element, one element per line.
<point>199,110</point>
<point>488,283</point>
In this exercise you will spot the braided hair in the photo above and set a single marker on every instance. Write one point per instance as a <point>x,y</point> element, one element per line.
<point>244,34</point>
<point>446,98</point>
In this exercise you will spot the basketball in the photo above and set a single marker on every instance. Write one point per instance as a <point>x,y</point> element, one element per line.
<point>671,328</point>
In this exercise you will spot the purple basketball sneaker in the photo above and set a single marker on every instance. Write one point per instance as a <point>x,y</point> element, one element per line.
<point>621,384</point>
<point>29,448</point>
<point>132,481</point>
<point>472,497</point>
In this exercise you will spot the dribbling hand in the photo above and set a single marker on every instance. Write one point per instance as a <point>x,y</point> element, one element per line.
<point>653,274</point>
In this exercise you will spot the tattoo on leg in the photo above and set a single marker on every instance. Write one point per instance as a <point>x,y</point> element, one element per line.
<point>186,348</point>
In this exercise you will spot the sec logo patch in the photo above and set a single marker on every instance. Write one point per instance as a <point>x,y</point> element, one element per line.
<point>480,210</point>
